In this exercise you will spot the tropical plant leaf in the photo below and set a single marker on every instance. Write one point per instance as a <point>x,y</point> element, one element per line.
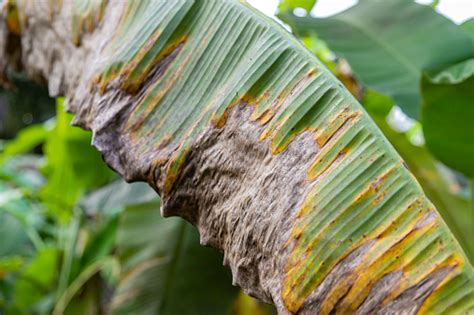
<point>468,27</point>
<point>389,44</point>
<point>68,294</point>
<point>455,210</point>
<point>287,5</point>
<point>447,116</point>
<point>26,140</point>
<point>36,278</point>
<point>20,217</point>
<point>245,134</point>
<point>68,154</point>
<point>116,196</point>
<point>164,269</point>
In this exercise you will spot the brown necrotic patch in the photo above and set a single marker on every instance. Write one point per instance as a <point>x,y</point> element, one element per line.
<point>242,198</point>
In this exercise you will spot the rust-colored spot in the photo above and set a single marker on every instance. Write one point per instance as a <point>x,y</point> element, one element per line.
<point>219,122</point>
<point>320,167</point>
<point>175,168</point>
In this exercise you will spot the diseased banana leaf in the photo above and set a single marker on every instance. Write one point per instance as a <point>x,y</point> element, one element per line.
<point>454,209</point>
<point>245,134</point>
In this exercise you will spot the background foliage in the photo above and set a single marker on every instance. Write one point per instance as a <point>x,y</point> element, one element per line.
<point>78,240</point>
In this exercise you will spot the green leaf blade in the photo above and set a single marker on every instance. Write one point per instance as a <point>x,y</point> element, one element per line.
<point>447,116</point>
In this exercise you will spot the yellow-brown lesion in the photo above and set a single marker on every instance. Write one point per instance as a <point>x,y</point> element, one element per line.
<point>132,82</point>
<point>86,16</point>
<point>393,249</point>
<point>13,17</point>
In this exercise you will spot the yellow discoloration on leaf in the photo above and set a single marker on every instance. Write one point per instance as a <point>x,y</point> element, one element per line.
<point>321,167</point>
<point>175,168</point>
<point>219,121</point>
<point>86,15</point>
<point>387,255</point>
<point>454,275</point>
<point>374,186</point>
<point>13,17</point>
<point>131,83</point>
<point>136,119</point>
<point>317,238</point>
<point>341,120</point>
<point>285,98</point>
<point>380,261</point>
<point>380,255</point>
<point>337,292</point>
<point>415,274</point>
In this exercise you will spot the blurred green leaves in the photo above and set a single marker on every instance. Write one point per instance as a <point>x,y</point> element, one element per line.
<point>468,27</point>
<point>388,44</point>
<point>164,268</point>
<point>53,217</point>
<point>448,114</point>
<point>69,154</point>
<point>26,140</point>
<point>37,279</point>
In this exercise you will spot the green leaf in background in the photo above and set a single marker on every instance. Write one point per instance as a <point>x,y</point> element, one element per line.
<point>101,244</point>
<point>448,113</point>
<point>166,271</point>
<point>164,268</point>
<point>13,237</point>
<point>20,217</point>
<point>23,172</point>
<point>10,264</point>
<point>289,5</point>
<point>389,43</point>
<point>81,305</point>
<point>27,139</point>
<point>36,278</point>
<point>468,27</point>
<point>73,165</point>
<point>116,196</point>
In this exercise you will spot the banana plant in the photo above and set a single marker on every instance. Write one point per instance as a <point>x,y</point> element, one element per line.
<point>246,135</point>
